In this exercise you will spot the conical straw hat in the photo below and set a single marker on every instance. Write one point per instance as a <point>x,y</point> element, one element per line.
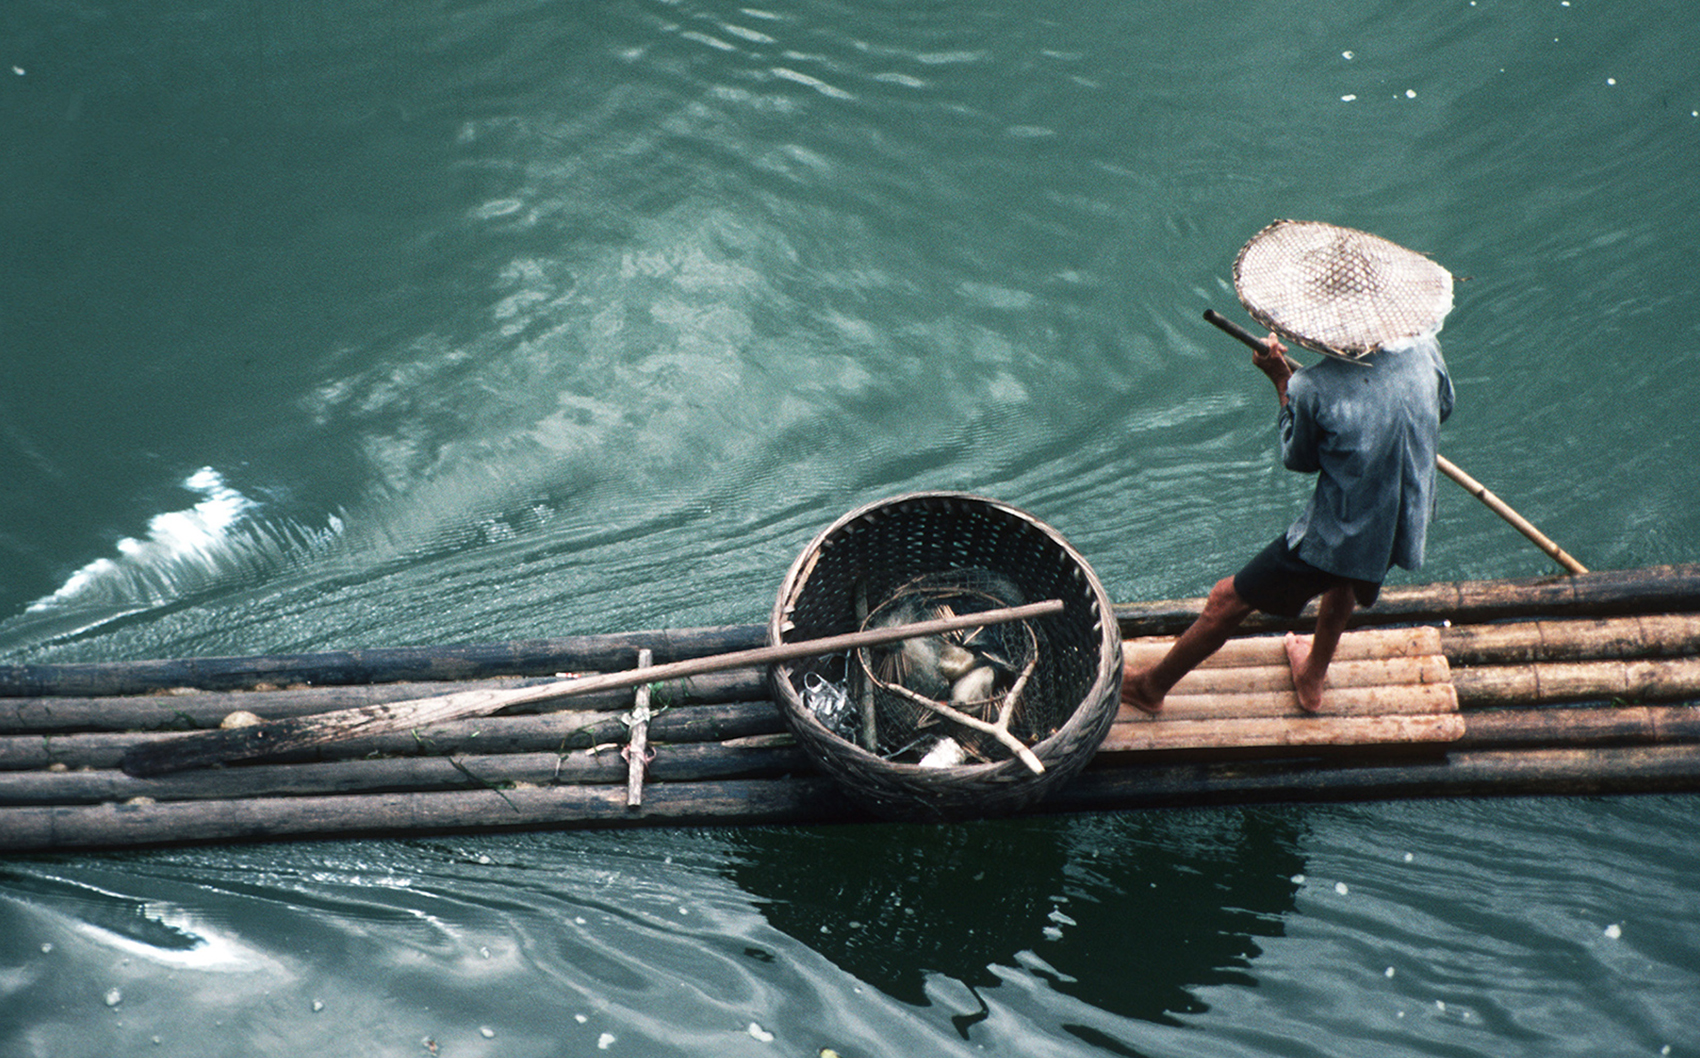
<point>1339,291</point>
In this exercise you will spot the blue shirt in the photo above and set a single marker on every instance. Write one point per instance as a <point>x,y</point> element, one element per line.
<point>1370,434</point>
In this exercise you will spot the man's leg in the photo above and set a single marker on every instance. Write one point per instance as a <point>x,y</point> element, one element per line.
<point>1310,657</point>
<point>1223,611</point>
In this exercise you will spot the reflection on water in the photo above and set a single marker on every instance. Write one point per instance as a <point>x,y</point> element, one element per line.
<point>129,922</point>
<point>1128,913</point>
<point>1385,929</point>
<point>573,938</point>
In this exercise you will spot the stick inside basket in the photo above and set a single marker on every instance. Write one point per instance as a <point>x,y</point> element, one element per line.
<point>998,730</point>
<point>954,678</point>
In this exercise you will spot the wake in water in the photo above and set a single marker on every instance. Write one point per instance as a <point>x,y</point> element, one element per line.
<point>219,543</point>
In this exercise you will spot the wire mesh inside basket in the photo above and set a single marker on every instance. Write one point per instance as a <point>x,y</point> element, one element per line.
<point>904,693</point>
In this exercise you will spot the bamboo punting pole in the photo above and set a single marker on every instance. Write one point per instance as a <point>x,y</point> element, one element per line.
<point>544,733</point>
<point>214,747</point>
<point>1503,509</point>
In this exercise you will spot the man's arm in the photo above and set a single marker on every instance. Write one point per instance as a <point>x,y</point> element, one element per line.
<point>1272,361</point>
<point>1299,438</point>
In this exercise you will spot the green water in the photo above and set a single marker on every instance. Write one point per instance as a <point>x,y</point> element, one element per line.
<point>355,324</point>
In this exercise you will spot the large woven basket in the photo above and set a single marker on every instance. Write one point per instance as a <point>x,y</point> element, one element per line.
<point>875,551</point>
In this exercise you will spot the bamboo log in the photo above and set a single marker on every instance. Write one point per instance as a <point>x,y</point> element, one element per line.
<point>1579,727</point>
<point>792,800</point>
<point>770,755</point>
<point>1375,672</point>
<point>1410,699</point>
<point>557,732</point>
<point>213,747</point>
<point>1609,770</point>
<point>682,763</point>
<point>1647,679</point>
<point>203,710</point>
<point>1357,645</point>
<point>1308,732</point>
<point>535,657</point>
<point>1647,635</point>
<point>1598,770</point>
<point>1659,588</point>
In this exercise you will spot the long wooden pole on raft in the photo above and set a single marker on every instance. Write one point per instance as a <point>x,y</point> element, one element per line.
<point>1447,467</point>
<point>214,747</point>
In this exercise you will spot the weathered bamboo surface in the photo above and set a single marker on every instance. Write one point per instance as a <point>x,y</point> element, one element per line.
<point>799,799</point>
<point>1587,684</point>
<point>1245,733</point>
<point>1492,773</point>
<point>551,732</point>
<point>1385,687</point>
<point>684,762</point>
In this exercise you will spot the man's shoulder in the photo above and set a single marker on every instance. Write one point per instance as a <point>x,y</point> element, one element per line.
<point>1324,375</point>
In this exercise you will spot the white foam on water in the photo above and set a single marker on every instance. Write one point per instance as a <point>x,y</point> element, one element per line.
<point>174,538</point>
<point>216,543</point>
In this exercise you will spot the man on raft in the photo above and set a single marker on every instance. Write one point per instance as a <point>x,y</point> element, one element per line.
<point>1369,431</point>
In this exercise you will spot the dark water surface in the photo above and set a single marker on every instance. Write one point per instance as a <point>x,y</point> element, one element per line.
<point>328,325</point>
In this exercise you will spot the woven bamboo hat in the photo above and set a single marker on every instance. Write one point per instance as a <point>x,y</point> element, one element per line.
<point>1339,291</point>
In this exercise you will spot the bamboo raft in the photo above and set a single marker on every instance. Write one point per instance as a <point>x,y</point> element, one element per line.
<point>1584,684</point>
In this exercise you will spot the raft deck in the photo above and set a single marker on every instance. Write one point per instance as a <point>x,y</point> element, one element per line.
<point>1563,685</point>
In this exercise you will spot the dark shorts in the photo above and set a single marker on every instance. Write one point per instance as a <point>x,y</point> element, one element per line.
<point>1279,582</point>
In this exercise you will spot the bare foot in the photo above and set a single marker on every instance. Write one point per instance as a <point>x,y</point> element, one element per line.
<point>1307,686</point>
<point>1137,694</point>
